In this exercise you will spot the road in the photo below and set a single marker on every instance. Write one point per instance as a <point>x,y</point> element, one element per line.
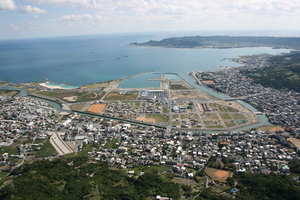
<point>60,146</point>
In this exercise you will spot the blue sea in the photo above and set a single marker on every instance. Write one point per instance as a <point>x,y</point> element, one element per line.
<point>80,60</point>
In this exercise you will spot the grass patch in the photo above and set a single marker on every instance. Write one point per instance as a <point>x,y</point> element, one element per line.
<point>225,116</point>
<point>183,116</point>
<point>77,106</point>
<point>121,96</point>
<point>177,87</point>
<point>95,85</point>
<point>217,126</point>
<point>230,124</point>
<point>232,109</point>
<point>158,117</point>
<point>111,144</point>
<point>166,110</point>
<point>47,150</point>
<point>8,93</point>
<point>2,174</point>
<point>238,116</point>
<point>240,121</point>
<point>175,116</point>
<point>11,150</point>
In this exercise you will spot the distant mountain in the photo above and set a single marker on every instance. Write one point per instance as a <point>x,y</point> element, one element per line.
<point>224,42</point>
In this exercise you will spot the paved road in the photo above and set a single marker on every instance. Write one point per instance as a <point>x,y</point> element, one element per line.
<point>60,146</point>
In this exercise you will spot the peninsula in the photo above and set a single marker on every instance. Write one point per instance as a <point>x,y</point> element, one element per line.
<point>224,42</point>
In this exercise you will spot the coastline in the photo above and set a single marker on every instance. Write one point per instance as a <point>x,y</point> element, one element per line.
<point>55,86</point>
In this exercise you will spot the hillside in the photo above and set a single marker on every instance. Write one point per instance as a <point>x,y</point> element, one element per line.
<point>283,72</point>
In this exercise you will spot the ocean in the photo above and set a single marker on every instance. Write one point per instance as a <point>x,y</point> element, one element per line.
<point>80,60</point>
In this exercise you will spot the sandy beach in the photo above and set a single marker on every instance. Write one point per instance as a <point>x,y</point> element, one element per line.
<point>54,86</point>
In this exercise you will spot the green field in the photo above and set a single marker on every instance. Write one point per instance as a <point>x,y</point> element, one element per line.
<point>121,96</point>
<point>240,121</point>
<point>47,149</point>
<point>96,85</point>
<point>238,116</point>
<point>111,144</point>
<point>177,87</point>
<point>225,116</point>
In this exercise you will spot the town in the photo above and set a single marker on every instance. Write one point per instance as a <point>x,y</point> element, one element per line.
<point>185,132</point>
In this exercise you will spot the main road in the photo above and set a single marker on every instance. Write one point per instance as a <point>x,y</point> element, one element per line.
<point>60,146</point>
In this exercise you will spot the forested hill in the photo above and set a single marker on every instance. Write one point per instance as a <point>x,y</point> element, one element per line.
<point>283,72</point>
<point>224,42</point>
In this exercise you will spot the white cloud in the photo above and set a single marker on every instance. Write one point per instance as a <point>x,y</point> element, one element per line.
<point>7,5</point>
<point>33,10</point>
<point>74,17</point>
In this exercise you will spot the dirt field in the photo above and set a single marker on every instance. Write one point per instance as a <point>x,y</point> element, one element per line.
<point>71,98</point>
<point>272,128</point>
<point>218,175</point>
<point>295,141</point>
<point>144,119</point>
<point>96,108</point>
<point>179,94</point>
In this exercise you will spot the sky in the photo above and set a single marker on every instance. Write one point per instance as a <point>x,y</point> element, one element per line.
<point>47,18</point>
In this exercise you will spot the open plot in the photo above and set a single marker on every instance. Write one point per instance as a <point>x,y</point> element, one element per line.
<point>229,123</point>
<point>157,117</point>
<point>8,93</point>
<point>272,128</point>
<point>74,96</point>
<point>96,108</point>
<point>121,96</point>
<point>183,116</point>
<point>238,116</point>
<point>95,85</point>
<point>218,175</point>
<point>189,94</point>
<point>225,116</point>
<point>295,141</point>
<point>210,116</point>
<point>46,150</point>
<point>146,119</point>
<point>78,106</point>
<point>240,121</point>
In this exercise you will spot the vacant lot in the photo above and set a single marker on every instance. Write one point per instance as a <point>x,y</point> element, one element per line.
<point>121,96</point>
<point>144,119</point>
<point>157,117</point>
<point>74,96</point>
<point>8,93</point>
<point>96,108</point>
<point>218,175</point>
<point>295,141</point>
<point>272,128</point>
<point>78,106</point>
<point>96,85</point>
